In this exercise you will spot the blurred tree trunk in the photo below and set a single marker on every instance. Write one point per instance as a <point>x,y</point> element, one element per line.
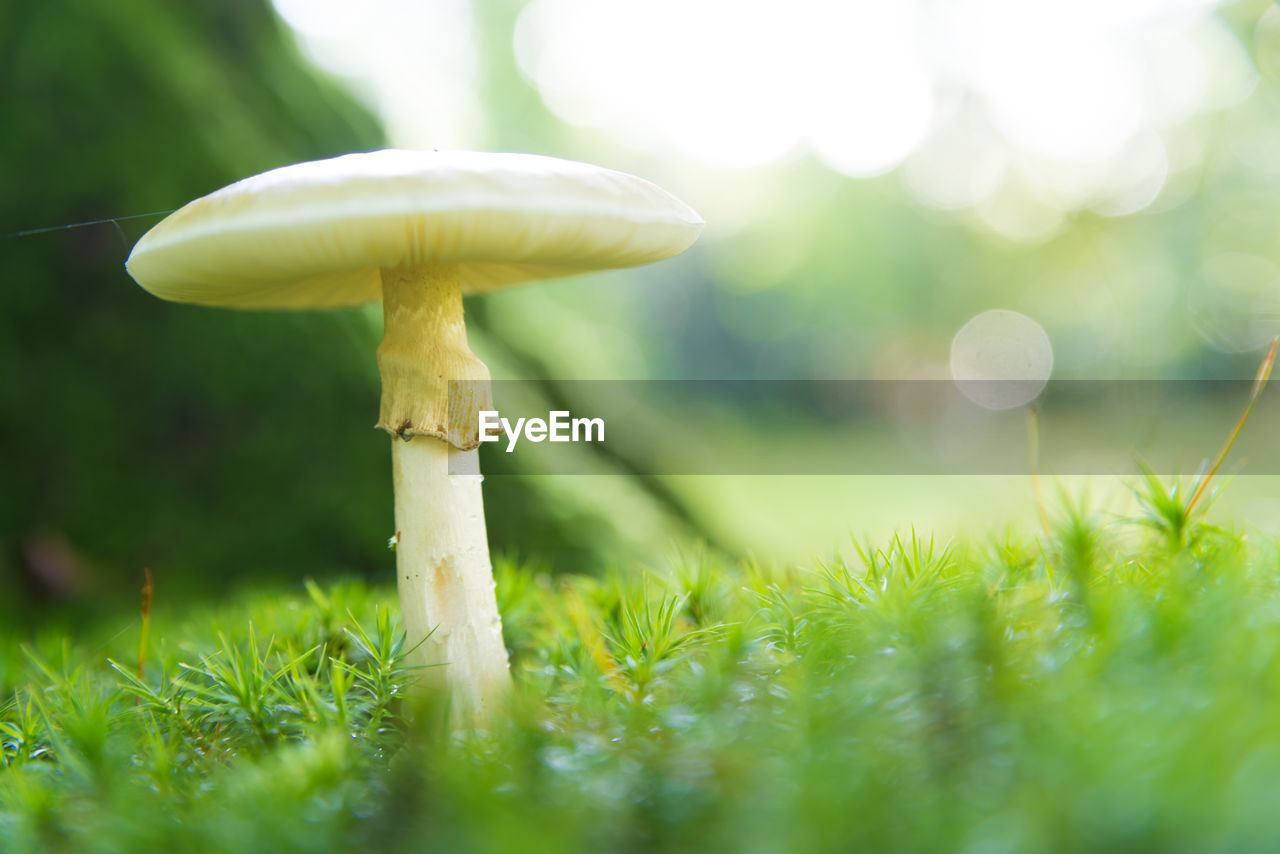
<point>136,432</point>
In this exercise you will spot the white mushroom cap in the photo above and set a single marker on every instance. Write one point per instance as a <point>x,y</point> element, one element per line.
<point>316,235</point>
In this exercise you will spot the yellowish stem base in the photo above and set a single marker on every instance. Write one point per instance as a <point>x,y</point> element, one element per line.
<point>432,384</point>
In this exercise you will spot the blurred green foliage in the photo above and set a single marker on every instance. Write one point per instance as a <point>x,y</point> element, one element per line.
<point>217,447</point>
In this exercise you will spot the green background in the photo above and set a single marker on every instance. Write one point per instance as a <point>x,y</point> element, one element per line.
<point>220,448</point>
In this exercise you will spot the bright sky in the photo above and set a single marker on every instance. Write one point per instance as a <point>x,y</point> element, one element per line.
<point>1021,111</point>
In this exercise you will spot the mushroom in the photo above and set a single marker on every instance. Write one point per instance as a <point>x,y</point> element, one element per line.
<point>418,230</point>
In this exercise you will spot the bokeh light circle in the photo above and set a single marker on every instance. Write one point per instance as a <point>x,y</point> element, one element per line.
<point>1001,359</point>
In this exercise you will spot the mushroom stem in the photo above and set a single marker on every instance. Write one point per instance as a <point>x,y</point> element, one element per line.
<point>445,578</point>
<point>432,389</point>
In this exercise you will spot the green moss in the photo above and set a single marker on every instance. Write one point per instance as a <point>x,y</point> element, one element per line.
<point>1098,687</point>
